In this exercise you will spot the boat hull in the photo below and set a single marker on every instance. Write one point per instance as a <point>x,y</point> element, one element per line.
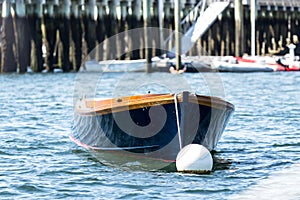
<point>151,135</point>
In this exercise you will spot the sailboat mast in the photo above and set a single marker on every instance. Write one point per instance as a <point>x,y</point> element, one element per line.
<point>253,18</point>
<point>146,16</point>
<point>177,9</point>
<point>160,24</point>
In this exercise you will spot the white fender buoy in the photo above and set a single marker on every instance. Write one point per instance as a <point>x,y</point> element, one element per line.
<point>194,158</point>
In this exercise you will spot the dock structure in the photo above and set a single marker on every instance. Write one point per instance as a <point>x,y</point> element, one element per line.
<point>277,25</point>
<point>46,34</point>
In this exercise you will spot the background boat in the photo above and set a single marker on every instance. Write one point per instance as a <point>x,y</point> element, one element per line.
<point>255,64</point>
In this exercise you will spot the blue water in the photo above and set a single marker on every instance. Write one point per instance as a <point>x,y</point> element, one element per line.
<point>37,159</point>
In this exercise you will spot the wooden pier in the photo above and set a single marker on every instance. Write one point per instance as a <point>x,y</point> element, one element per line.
<point>46,34</point>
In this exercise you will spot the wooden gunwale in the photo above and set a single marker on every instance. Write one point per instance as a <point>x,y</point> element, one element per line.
<point>113,105</point>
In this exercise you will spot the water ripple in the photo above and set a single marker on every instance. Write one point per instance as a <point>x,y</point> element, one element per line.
<point>38,161</point>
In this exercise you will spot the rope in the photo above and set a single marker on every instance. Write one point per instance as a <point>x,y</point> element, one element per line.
<point>177,120</point>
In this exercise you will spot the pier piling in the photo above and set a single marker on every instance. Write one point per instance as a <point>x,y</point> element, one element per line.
<point>64,34</point>
<point>111,26</point>
<point>89,23</point>
<point>76,34</point>
<point>50,26</point>
<point>135,21</point>
<point>100,28</point>
<point>8,39</point>
<point>23,37</point>
<point>239,31</point>
<point>35,13</point>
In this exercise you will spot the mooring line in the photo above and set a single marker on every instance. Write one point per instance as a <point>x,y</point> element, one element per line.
<point>177,119</point>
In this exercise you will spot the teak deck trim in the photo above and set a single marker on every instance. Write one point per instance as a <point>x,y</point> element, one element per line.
<point>113,105</point>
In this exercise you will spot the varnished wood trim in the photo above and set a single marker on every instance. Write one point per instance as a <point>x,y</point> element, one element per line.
<point>106,106</point>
